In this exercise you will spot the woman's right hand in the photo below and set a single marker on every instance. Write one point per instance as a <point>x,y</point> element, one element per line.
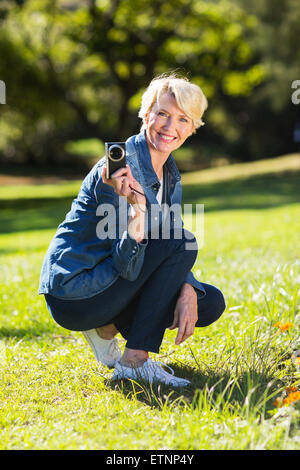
<point>122,181</point>
<point>124,184</point>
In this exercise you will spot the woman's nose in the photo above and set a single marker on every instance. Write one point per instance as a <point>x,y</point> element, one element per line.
<point>169,124</point>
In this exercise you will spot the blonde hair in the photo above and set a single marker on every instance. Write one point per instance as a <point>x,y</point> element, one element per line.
<point>189,97</point>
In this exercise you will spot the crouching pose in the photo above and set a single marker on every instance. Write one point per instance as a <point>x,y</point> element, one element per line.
<point>105,273</point>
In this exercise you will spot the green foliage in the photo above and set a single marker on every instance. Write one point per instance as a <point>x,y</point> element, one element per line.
<point>91,148</point>
<point>271,115</point>
<point>80,68</point>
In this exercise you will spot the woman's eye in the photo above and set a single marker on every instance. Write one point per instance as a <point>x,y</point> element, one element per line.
<point>161,113</point>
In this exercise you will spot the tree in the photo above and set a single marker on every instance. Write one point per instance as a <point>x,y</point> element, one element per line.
<point>80,67</point>
<point>271,114</point>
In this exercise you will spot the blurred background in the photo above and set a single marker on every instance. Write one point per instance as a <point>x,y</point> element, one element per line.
<point>75,71</point>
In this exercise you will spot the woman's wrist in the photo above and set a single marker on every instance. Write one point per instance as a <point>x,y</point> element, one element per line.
<point>136,223</point>
<point>187,289</point>
<point>139,208</point>
<point>137,198</point>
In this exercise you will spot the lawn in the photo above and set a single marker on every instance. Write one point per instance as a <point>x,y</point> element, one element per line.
<point>53,394</point>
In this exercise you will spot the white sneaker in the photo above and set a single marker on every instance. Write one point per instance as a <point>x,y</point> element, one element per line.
<point>106,351</point>
<point>151,372</point>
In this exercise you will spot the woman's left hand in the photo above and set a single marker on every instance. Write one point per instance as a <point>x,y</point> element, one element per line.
<point>185,314</point>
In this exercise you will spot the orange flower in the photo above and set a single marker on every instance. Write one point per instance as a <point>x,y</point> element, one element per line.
<point>297,361</point>
<point>291,388</point>
<point>283,326</point>
<point>294,396</point>
<point>286,326</point>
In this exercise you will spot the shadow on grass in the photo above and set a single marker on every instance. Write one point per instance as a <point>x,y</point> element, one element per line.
<point>250,392</point>
<point>257,192</point>
<point>27,333</point>
<point>19,215</point>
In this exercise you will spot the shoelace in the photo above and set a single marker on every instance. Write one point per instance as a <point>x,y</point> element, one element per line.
<point>160,372</point>
<point>161,366</point>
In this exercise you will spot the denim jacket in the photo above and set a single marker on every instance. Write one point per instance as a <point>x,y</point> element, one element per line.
<point>78,263</point>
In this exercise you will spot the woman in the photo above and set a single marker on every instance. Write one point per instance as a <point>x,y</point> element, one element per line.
<point>133,283</point>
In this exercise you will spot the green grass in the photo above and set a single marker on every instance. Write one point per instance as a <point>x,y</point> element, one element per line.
<point>54,396</point>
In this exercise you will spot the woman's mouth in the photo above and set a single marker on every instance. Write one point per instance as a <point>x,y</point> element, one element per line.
<point>166,138</point>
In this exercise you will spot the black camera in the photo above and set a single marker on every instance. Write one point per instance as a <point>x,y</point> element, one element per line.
<point>115,153</point>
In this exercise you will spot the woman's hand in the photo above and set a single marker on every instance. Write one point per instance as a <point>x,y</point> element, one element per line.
<point>124,184</point>
<point>186,313</point>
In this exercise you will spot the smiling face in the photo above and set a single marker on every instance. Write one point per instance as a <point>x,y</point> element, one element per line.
<point>167,126</point>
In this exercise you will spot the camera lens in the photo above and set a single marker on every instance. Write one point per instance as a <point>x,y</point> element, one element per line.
<point>116,152</point>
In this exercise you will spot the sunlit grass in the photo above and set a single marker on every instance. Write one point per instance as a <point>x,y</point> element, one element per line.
<point>60,189</point>
<point>54,396</point>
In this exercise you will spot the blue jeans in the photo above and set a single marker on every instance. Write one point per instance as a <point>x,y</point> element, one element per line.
<point>142,309</point>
